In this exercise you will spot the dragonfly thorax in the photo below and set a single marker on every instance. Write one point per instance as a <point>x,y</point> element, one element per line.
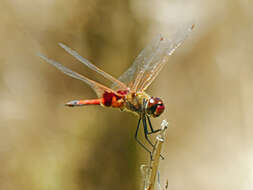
<point>141,103</point>
<point>154,107</point>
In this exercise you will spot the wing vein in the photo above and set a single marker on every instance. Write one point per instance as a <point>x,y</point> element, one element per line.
<point>93,67</point>
<point>98,88</point>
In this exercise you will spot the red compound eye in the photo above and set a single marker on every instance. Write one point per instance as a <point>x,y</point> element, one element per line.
<point>155,107</point>
<point>159,109</point>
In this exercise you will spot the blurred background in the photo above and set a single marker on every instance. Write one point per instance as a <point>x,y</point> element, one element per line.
<point>207,89</point>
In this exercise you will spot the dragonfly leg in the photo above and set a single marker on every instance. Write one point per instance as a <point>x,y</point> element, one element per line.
<point>153,131</point>
<point>136,137</point>
<point>150,125</point>
<point>146,130</point>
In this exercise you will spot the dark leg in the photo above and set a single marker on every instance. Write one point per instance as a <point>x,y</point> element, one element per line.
<point>150,125</point>
<point>146,130</point>
<point>153,131</point>
<point>136,135</point>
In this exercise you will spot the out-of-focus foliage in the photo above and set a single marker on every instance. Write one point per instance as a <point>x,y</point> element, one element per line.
<point>207,91</point>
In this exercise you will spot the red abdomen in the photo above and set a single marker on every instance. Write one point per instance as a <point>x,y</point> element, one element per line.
<point>110,99</point>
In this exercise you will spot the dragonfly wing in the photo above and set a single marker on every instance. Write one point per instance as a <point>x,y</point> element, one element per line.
<point>98,88</point>
<point>151,60</point>
<point>133,73</point>
<point>86,62</point>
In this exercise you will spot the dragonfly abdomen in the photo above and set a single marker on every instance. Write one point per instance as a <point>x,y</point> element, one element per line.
<point>84,102</point>
<point>110,99</point>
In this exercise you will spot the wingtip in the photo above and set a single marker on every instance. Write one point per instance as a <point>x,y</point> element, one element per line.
<point>66,48</point>
<point>40,55</point>
<point>61,44</point>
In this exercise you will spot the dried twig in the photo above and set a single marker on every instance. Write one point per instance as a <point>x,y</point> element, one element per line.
<point>150,171</point>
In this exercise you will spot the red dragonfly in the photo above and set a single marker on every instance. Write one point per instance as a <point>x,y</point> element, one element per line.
<point>127,92</point>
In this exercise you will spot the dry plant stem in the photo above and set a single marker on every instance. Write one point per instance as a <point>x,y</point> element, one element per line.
<point>166,185</point>
<point>151,173</point>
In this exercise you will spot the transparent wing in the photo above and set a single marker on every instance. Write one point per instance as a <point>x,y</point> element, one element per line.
<point>98,88</point>
<point>151,60</point>
<point>86,62</point>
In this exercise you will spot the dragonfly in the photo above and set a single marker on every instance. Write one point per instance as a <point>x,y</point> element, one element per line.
<point>127,93</point>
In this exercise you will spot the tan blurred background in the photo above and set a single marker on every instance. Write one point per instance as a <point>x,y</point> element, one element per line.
<point>207,89</point>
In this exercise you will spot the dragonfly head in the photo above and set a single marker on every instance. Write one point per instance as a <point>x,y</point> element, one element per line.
<point>155,107</point>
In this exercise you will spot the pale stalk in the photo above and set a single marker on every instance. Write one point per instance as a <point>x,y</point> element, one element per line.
<point>150,171</point>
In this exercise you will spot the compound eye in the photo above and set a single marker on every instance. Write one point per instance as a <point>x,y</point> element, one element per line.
<point>155,107</point>
<point>159,109</point>
<point>152,102</point>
